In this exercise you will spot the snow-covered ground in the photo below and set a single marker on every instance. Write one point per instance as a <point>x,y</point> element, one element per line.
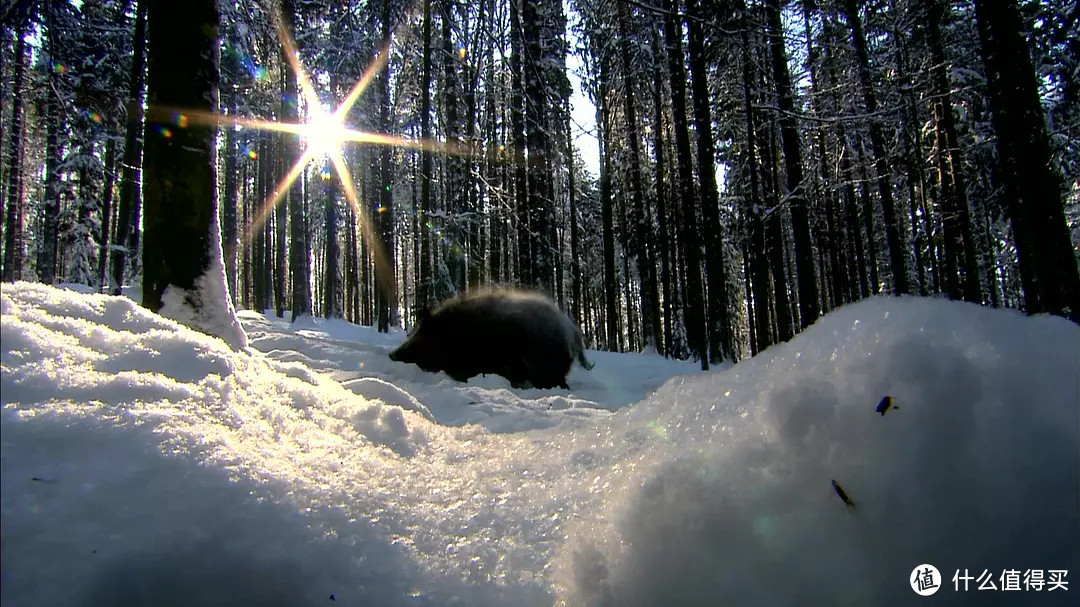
<point>145,463</point>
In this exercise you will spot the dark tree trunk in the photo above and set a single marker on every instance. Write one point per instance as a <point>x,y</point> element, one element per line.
<point>774,236</point>
<point>758,272</point>
<point>661,193</point>
<point>12,269</point>
<point>809,305</point>
<point>280,235</point>
<point>611,287</point>
<point>127,216</point>
<point>575,232</point>
<point>696,329</point>
<point>183,248</point>
<point>106,213</point>
<point>959,235</point>
<point>721,343</point>
<point>299,264</point>
<point>1033,188</point>
<point>537,138</point>
<point>48,247</point>
<point>385,279</point>
<point>454,190</point>
<point>835,239</point>
<point>331,282</point>
<point>643,232</point>
<point>893,230</point>
<point>523,260</point>
<point>352,278</point>
<point>425,295</point>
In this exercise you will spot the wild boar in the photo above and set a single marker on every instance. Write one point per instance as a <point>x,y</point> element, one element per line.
<point>519,335</point>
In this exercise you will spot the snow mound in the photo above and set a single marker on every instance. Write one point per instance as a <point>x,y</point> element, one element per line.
<point>731,500</point>
<point>146,463</point>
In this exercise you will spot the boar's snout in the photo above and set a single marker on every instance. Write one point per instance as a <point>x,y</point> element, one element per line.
<point>396,354</point>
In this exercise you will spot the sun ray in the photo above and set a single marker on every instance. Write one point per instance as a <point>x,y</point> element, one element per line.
<point>367,228</point>
<point>279,193</point>
<point>325,132</point>
<point>293,57</point>
<point>361,85</point>
<point>184,117</point>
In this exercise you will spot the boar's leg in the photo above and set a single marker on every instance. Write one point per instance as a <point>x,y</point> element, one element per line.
<point>517,372</point>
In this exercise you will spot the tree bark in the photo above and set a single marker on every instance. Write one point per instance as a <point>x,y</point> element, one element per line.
<point>184,277</point>
<point>809,304</point>
<point>12,269</point>
<point>893,226</point>
<point>1033,188</point>
<point>696,328</point>
<point>127,215</point>
<point>643,233</point>
<point>959,236</point>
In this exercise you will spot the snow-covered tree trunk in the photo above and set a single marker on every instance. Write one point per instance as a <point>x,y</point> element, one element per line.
<point>184,276</point>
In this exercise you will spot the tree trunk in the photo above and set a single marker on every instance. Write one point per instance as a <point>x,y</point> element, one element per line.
<point>127,215</point>
<point>809,304</point>
<point>611,287</point>
<point>1033,188</point>
<point>523,260</point>
<point>959,235</point>
<point>48,247</point>
<point>385,279</point>
<point>184,277</point>
<point>661,194</point>
<point>643,233</point>
<point>229,235</point>
<point>299,264</point>
<point>893,226</point>
<point>425,296</point>
<point>106,213</point>
<point>12,269</point>
<point>696,329</point>
<point>758,272</point>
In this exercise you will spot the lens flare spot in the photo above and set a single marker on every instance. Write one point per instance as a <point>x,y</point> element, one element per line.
<point>60,68</point>
<point>323,133</point>
<point>462,53</point>
<point>181,121</point>
<point>165,132</point>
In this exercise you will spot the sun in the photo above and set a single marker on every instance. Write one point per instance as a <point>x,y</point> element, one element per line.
<point>324,134</point>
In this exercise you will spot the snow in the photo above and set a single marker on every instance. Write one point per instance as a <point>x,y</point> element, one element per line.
<point>207,306</point>
<point>142,462</point>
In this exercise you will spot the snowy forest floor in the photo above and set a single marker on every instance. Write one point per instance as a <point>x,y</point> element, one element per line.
<point>145,463</point>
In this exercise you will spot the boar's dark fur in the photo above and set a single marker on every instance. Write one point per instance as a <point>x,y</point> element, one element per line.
<point>519,335</point>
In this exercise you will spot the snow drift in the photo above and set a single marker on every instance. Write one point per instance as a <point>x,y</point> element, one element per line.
<point>145,462</point>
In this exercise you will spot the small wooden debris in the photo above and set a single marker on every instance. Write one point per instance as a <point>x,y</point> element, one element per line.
<point>843,494</point>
